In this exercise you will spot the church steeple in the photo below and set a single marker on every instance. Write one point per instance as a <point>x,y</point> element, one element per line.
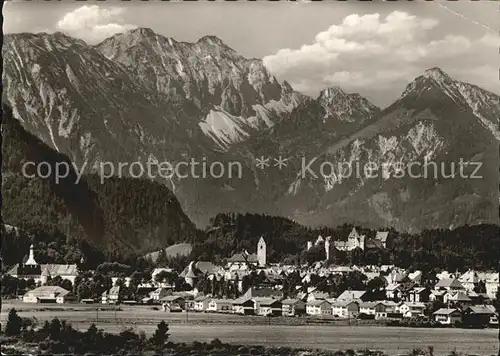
<point>31,258</point>
<point>261,252</point>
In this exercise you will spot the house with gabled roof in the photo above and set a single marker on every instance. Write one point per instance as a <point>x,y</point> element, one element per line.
<point>458,297</point>
<point>242,261</point>
<point>447,316</point>
<point>48,294</point>
<point>345,308</point>
<point>220,305</point>
<point>316,295</point>
<point>492,284</point>
<point>243,306</point>
<point>478,315</point>
<point>348,295</point>
<point>173,303</point>
<point>469,280</point>
<point>196,269</point>
<point>112,296</point>
<point>411,310</point>
<point>449,284</point>
<point>371,308</point>
<point>201,303</point>
<point>159,293</point>
<point>383,237</point>
<point>437,295</point>
<point>267,306</point>
<point>394,291</point>
<point>418,294</point>
<point>319,307</point>
<point>293,307</point>
<point>415,277</point>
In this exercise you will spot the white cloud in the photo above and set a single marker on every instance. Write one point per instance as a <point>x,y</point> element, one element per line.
<point>92,23</point>
<point>370,54</point>
<point>490,40</point>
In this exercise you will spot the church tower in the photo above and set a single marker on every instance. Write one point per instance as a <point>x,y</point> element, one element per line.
<point>31,258</point>
<point>261,252</point>
<point>327,249</point>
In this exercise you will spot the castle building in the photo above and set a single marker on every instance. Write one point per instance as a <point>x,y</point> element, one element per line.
<point>354,240</point>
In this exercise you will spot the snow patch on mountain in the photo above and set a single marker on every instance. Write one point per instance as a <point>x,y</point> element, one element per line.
<point>73,79</point>
<point>223,128</point>
<point>387,144</point>
<point>66,122</point>
<point>424,138</point>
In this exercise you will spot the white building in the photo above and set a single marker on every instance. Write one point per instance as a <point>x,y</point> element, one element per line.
<point>411,310</point>
<point>319,307</point>
<point>447,316</point>
<point>113,296</point>
<point>469,280</point>
<point>371,308</point>
<point>345,309</point>
<point>201,303</point>
<point>382,236</point>
<point>492,283</point>
<point>48,294</point>
<point>159,293</point>
<point>220,306</point>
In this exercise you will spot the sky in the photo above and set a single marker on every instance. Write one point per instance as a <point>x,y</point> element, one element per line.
<point>372,48</point>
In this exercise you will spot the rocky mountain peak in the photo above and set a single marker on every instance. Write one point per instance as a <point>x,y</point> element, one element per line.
<point>346,106</point>
<point>286,87</point>
<point>437,74</point>
<point>212,40</point>
<point>331,93</point>
<point>139,95</point>
<point>140,35</point>
<point>433,78</point>
<point>43,39</point>
<point>143,31</point>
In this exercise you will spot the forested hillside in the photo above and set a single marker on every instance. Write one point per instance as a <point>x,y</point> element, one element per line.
<point>123,215</point>
<point>461,248</point>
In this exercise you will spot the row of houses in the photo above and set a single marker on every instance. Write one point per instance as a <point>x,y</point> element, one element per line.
<point>479,315</point>
<point>347,309</point>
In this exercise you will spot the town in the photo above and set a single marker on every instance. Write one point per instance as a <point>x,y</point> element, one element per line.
<point>248,285</point>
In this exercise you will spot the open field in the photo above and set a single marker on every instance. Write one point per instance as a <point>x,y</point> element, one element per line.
<point>233,329</point>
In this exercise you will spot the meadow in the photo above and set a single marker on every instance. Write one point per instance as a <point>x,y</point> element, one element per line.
<point>233,329</point>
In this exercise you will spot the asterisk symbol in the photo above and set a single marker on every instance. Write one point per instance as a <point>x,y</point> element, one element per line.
<point>280,162</point>
<point>262,162</point>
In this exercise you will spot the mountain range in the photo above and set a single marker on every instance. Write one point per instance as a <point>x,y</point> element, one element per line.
<point>140,96</point>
